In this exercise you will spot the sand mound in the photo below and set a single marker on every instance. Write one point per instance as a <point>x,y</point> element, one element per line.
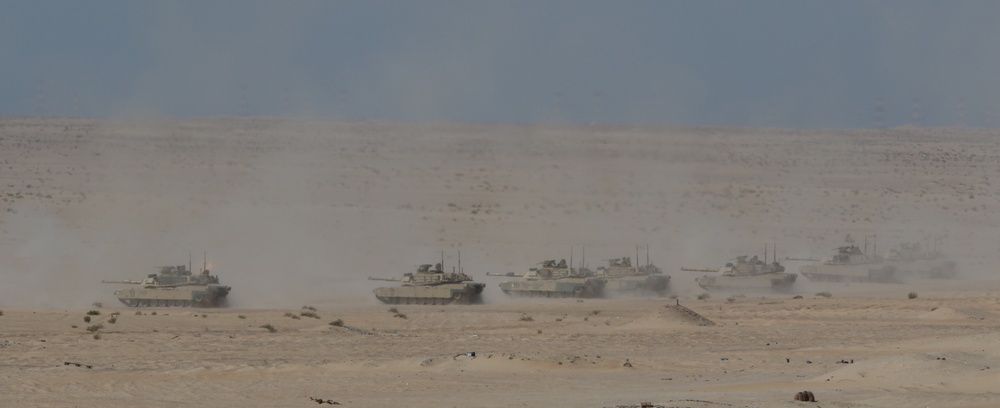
<point>951,370</point>
<point>947,313</point>
<point>663,319</point>
<point>942,313</point>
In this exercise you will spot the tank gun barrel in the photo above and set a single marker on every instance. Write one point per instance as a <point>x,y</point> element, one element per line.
<point>788,258</point>
<point>385,279</point>
<point>508,274</point>
<point>698,270</point>
<point>123,282</point>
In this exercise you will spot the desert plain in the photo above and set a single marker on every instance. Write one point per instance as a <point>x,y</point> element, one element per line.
<point>295,214</point>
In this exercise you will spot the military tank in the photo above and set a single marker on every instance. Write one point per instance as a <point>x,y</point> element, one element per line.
<point>623,278</point>
<point>173,286</point>
<point>553,280</point>
<point>911,260</point>
<point>851,264</point>
<point>431,286</point>
<point>746,273</point>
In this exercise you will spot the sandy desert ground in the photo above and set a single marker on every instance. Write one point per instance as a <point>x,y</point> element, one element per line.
<point>295,213</point>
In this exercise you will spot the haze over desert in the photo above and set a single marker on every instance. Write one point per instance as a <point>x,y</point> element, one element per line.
<point>295,214</point>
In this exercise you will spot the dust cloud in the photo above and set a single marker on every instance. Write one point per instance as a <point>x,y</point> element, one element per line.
<point>293,212</point>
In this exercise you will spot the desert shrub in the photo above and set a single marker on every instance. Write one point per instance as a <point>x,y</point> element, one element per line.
<point>400,315</point>
<point>97,304</point>
<point>154,313</point>
<point>74,326</point>
<point>308,308</point>
<point>526,319</point>
<point>97,336</point>
<point>393,310</point>
<point>242,316</point>
<point>94,313</point>
<point>824,294</point>
<point>595,312</point>
<point>292,315</point>
<point>1,312</point>
<point>309,314</point>
<point>95,328</point>
<point>337,323</point>
<point>113,319</point>
<point>86,319</point>
<point>138,313</point>
<point>704,296</point>
<point>912,295</point>
<point>269,328</point>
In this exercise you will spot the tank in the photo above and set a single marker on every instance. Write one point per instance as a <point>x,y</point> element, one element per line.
<point>624,278</point>
<point>431,286</point>
<point>910,259</point>
<point>851,264</point>
<point>747,274</point>
<point>173,286</point>
<point>553,280</point>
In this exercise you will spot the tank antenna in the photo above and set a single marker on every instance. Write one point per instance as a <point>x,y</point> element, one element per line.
<point>636,256</point>
<point>583,262</point>
<point>647,255</point>
<point>459,261</point>
<point>765,252</point>
<point>189,261</point>
<point>442,261</point>
<point>571,258</point>
<point>204,265</point>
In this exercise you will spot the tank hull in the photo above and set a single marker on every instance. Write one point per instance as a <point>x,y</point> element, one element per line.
<point>563,287</point>
<point>457,293</point>
<point>858,273</point>
<point>925,268</point>
<point>181,296</point>
<point>769,281</point>
<point>639,284</point>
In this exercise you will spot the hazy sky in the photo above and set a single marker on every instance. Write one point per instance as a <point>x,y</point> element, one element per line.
<point>761,63</point>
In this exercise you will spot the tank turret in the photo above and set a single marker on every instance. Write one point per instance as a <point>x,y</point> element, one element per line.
<point>173,286</point>
<point>430,284</point>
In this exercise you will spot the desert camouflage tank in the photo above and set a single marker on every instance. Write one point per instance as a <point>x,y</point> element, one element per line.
<point>553,279</point>
<point>851,264</point>
<point>622,277</point>
<point>173,286</point>
<point>431,286</point>
<point>911,260</point>
<point>747,275</point>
